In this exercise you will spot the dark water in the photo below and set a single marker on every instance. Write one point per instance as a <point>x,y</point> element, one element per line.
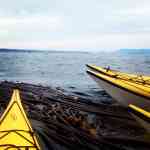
<point>67,69</point>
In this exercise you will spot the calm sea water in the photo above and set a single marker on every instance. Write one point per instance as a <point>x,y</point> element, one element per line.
<point>67,69</point>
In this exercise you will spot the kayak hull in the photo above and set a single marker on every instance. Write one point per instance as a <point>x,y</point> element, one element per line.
<point>122,95</point>
<point>145,124</point>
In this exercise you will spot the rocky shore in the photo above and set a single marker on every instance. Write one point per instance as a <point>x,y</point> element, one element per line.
<point>68,121</point>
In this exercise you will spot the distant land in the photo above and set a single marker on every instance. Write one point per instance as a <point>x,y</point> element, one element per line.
<point>123,50</point>
<point>38,51</point>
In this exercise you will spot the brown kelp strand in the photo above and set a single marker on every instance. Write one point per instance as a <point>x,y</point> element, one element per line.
<point>67,121</point>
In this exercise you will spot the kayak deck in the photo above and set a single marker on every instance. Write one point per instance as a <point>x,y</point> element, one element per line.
<point>137,84</point>
<point>15,129</point>
<point>141,79</point>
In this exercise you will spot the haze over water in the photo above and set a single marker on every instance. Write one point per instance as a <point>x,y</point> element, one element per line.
<point>67,69</point>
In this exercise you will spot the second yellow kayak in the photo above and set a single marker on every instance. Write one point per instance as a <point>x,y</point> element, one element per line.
<point>125,88</point>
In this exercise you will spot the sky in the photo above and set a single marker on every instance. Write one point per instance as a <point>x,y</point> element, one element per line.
<point>75,24</point>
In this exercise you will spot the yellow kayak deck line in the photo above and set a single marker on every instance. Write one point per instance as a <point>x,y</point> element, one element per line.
<point>15,129</point>
<point>140,111</point>
<point>126,81</point>
<point>121,75</point>
<point>142,116</point>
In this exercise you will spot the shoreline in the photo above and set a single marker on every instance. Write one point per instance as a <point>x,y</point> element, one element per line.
<point>71,121</point>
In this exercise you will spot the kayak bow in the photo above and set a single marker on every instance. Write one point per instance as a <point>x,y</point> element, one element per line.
<point>15,129</point>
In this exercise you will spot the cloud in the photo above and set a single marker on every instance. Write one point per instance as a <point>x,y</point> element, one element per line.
<point>70,24</point>
<point>94,43</point>
<point>24,28</point>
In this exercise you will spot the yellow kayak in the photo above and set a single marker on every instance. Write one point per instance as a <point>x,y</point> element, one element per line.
<point>142,116</point>
<point>141,79</point>
<point>15,129</point>
<point>125,88</point>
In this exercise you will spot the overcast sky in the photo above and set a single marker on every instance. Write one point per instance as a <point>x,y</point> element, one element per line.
<point>75,24</point>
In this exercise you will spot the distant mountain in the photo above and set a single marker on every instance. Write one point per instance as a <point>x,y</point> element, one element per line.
<point>17,50</point>
<point>38,51</point>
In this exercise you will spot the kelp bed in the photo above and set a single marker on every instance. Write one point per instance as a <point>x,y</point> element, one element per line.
<point>67,121</point>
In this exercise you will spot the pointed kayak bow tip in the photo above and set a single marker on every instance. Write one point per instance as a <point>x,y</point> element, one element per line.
<point>16,96</point>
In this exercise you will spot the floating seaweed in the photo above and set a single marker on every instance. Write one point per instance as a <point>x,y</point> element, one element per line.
<point>67,121</point>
